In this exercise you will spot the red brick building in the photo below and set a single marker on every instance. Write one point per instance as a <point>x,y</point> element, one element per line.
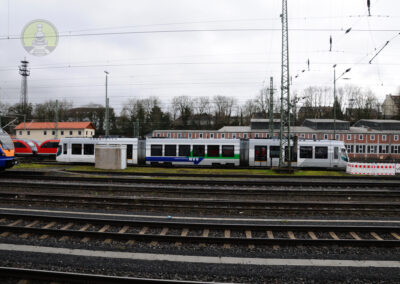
<point>366,140</point>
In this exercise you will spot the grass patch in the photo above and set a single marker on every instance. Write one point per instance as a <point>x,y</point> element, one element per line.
<point>155,170</point>
<point>33,166</point>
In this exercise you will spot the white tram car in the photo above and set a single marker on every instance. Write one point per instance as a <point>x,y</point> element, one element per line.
<point>82,150</point>
<point>308,154</point>
<point>209,152</point>
<point>193,152</point>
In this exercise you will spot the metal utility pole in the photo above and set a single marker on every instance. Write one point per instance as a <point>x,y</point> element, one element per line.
<point>334,97</point>
<point>285,90</point>
<point>271,107</point>
<point>107,119</point>
<point>24,72</point>
<point>56,136</point>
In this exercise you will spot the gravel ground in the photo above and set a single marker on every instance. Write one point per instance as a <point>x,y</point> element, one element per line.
<point>331,252</point>
<point>202,272</point>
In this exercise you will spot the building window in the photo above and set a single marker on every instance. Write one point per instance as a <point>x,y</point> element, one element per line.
<point>350,148</point>
<point>245,136</point>
<point>314,137</point>
<point>337,137</point>
<point>383,149</point>
<point>212,135</point>
<point>44,132</point>
<point>303,136</point>
<point>62,132</point>
<point>372,137</point>
<point>53,132</point>
<point>28,132</point>
<point>371,149</point>
<point>79,132</point>
<point>234,136</point>
<point>190,135</point>
<point>179,135</point>
<point>395,149</point>
<point>223,135</point>
<point>169,135</point>
<point>383,137</point>
<point>326,136</point>
<point>158,134</point>
<point>256,135</point>
<point>201,135</point>
<point>361,137</point>
<point>70,132</point>
<point>396,138</point>
<point>360,149</point>
<point>348,136</point>
<point>86,133</point>
<point>20,132</point>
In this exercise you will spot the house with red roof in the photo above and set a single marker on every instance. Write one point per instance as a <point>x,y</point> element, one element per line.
<point>43,131</point>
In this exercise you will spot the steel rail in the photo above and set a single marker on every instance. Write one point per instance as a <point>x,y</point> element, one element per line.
<point>196,239</point>
<point>74,277</point>
<point>197,225</point>
<point>115,200</point>
<point>283,181</point>
<point>387,193</point>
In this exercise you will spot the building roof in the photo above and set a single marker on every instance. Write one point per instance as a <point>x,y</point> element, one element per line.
<point>52,125</point>
<point>264,120</point>
<point>324,120</point>
<point>235,129</point>
<point>396,99</point>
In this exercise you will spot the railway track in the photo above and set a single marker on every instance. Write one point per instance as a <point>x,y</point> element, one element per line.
<point>74,277</point>
<point>249,192</point>
<point>206,180</point>
<point>174,232</point>
<point>208,205</point>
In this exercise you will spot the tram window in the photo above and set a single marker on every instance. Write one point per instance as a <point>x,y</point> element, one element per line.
<point>65,149</point>
<point>76,149</point>
<point>321,152</point>
<point>184,150</point>
<point>198,151</point>
<point>88,149</point>
<point>306,152</point>
<point>129,151</point>
<point>335,153</point>
<point>156,150</point>
<point>228,151</point>
<point>50,145</point>
<point>260,153</point>
<point>274,151</point>
<point>19,145</point>
<point>170,150</point>
<point>213,151</point>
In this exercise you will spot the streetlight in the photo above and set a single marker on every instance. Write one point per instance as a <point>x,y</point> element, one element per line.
<point>106,114</point>
<point>334,96</point>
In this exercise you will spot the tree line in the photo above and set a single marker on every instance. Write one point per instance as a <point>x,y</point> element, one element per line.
<point>183,112</point>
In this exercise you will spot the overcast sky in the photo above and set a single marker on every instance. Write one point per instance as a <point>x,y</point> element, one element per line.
<point>196,63</point>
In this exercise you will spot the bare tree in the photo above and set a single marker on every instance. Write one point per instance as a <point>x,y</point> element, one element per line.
<point>224,107</point>
<point>182,106</point>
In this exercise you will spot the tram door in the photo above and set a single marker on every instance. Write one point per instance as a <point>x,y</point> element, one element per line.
<point>129,154</point>
<point>260,156</point>
<point>335,160</point>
